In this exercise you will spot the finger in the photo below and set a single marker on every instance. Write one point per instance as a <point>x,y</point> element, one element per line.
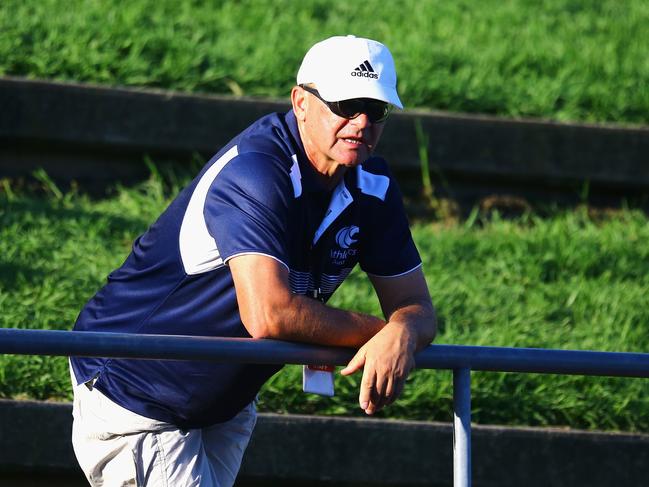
<point>394,388</point>
<point>397,385</point>
<point>368,385</point>
<point>356,363</point>
<point>398,389</point>
<point>389,391</point>
<point>380,391</point>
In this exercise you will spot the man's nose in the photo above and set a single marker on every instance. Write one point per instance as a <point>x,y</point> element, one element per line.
<point>361,121</point>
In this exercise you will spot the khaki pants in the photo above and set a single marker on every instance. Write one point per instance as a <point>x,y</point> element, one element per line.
<point>116,447</point>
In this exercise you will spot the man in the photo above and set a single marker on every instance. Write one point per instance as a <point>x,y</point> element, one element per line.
<point>254,247</point>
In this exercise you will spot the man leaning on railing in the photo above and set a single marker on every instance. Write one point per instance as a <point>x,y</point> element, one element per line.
<point>254,247</point>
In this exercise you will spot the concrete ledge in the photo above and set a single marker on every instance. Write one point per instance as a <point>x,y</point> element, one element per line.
<point>99,134</point>
<point>327,451</point>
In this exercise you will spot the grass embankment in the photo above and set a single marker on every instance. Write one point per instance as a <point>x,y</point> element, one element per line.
<point>568,281</point>
<point>562,59</point>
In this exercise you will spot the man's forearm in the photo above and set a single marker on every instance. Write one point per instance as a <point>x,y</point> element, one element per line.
<point>308,320</point>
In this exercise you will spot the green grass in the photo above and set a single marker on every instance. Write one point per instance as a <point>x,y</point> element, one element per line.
<point>562,59</point>
<point>569,281</point>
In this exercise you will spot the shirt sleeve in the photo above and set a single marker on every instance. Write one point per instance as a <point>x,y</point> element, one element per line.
<point>388,249</point>
<point>246,209</point>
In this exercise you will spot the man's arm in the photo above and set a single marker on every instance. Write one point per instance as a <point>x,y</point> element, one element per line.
<point>269,309</point>
<point>388,357</point>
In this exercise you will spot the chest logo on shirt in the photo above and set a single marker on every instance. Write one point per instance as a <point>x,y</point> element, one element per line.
<point>345,238</point>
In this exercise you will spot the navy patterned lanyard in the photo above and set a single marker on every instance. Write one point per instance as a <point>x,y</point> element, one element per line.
<point>315,268</point>
<point>316,250</point>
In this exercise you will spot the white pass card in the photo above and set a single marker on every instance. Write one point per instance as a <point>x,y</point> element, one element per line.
<point>318,379</point>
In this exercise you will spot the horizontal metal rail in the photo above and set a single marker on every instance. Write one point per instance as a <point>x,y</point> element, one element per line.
<point>461,359</point>
<point>246,350</point>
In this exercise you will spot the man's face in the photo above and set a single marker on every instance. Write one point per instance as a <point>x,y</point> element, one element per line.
<point>330,141</point>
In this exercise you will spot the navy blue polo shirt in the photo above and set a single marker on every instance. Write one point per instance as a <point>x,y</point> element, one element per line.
<point>258,195</point>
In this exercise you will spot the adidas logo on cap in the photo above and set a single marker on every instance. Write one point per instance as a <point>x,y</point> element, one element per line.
<point>365,70</point>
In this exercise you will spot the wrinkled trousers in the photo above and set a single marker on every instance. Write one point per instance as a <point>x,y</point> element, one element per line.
<point>116,447</point>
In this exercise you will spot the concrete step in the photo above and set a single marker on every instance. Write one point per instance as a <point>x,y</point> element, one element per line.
<point>295,450</point>
<point>98,135</point>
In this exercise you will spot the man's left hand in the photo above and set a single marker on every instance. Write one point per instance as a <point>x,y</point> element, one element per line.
<point>386,360</point>
<point>388,357</point>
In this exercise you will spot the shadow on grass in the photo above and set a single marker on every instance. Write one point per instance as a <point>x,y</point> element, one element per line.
<point>49,237</point>
<point>29,213</point>
<point>12,273</point>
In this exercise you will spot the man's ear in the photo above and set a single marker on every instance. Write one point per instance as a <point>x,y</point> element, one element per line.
<point>299,102</point>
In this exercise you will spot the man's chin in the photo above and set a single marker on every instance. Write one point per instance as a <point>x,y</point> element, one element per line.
<point>355,159</point>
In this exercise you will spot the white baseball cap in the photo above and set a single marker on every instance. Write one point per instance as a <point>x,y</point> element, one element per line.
<point>344,67</point>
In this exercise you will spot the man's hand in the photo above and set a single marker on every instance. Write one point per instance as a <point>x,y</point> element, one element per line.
<point>386,360</point>
<point>388,357</point>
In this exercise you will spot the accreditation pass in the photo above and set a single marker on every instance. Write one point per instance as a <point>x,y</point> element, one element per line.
<point>318,379</point>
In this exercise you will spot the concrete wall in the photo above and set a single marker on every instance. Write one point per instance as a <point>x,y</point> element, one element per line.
<point>98,135</point>
<point>330,451</point>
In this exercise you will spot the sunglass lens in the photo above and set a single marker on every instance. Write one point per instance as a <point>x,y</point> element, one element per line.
<point>350,108</point>
<point>376,111</point>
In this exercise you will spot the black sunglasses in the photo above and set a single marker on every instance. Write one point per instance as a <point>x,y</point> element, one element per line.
<point>376,111</point>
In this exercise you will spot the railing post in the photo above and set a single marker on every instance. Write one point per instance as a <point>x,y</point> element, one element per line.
<point>462,427</point>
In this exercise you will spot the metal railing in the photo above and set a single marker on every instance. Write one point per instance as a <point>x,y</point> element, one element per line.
<point>460,359</point>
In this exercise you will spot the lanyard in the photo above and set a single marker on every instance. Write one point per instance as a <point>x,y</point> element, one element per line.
<point>315,268</point>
